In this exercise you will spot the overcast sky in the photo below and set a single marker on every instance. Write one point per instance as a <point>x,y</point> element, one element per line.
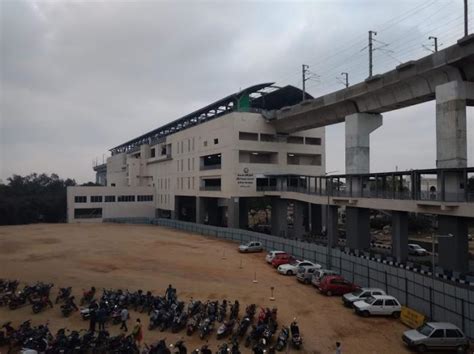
<point>78,78</point>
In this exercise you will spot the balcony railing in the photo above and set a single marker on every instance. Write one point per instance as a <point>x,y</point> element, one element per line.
<point>210,188</point>
<point>210,167</point>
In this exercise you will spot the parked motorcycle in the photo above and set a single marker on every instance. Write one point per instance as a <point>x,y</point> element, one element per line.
<point>221,313</point>
<point>243,326</point>
<point>296,339</point>
<point>87,296</point>
<point>205,327</point>
<point>225,329</point>
<point>63,294</point>
<point>282,339</point>
<point>179,322</point>
<point>193,323</point>
<point>40,304</point>
<point>179,347</point>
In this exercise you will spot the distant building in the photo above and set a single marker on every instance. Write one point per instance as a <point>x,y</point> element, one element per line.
<point>203,166</point>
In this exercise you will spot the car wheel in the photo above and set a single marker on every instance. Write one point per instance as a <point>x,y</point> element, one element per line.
<point>365,313</point>
<point>289,272</point>
<point>421,348</point>
<point>329,293</point>
<point>396,314</point>
<point>462,349</point>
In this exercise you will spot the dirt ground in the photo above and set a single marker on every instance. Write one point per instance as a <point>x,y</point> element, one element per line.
<point>150,257</point>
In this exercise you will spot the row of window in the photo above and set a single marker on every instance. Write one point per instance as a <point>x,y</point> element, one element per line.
<point>164,198</point>
<point>180,164</point>
<point>181,147</point>
<point>163,183</point>
<point>111,198</point>
<point>250,136</point>
<point>183,182</point>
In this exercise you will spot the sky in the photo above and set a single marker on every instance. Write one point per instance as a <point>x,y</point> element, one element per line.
<point>80,77</point>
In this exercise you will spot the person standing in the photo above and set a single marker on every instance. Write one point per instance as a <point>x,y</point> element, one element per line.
<point>101,317</point>
<point>124,318</point>
<point>338,348</point>
<point>92,319</point>
<point>138,333</point>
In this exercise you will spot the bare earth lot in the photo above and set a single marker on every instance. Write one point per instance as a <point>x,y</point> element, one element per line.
<point>150,258</point>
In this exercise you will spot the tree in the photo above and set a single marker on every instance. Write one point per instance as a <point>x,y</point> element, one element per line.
<point>33,198</point>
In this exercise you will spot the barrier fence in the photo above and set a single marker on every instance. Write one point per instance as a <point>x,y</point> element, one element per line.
<point>436,299</point>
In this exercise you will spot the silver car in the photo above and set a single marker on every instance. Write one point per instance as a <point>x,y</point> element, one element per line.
<point>252,246</point>
<point>360,294</point>
<point>436,335</point>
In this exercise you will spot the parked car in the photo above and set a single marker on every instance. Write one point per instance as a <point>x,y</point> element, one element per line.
<point>416,250</point>
<point>292,268</point>
<point>282,258</point>
<point>271,255</point>
<point>320,274</point>
<point>336,285</point>
<point>360,294</point>
<point>378,305</point>
<point>252,246</point>
<point>436,335</point>
<point>304,274</point>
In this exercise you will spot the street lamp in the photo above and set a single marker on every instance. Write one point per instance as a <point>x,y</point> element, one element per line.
<point>327,220</point>
<point>433,236</point>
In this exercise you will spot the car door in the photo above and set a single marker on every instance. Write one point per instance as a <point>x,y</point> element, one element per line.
<point>437,339</point>
<point>377,307</point>
<point>454,338</point>
<point>390,307</point>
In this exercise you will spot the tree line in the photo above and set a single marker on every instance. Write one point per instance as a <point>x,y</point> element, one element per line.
<point>34,198</point>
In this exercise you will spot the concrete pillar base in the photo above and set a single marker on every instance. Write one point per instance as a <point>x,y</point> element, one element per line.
<point>453,252</point>
<point>357,228</point>
<point>400,236</point>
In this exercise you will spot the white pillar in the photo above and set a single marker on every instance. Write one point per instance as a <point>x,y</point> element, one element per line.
<point>358,129</point>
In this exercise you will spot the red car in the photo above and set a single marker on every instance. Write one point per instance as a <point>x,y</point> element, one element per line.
<point>336,285</point>
<point>282,258</point>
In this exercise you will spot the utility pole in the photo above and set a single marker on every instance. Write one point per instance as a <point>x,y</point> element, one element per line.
<point>435,42</point>
<point>304,71</point>
<point>465,18</point>
<point>346,79</point>
<point>371,48</point>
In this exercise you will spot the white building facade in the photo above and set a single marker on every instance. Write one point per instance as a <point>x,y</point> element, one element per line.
<point>205,170</point>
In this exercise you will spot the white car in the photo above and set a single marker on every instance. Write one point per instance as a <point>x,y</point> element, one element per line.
<point>252,246</point>
<point>378,305</point>
<point>416,250</point>
<point>271,254</point>
<point>292,268</point>
<point>360,294</point>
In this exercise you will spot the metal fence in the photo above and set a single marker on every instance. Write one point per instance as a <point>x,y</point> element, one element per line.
<point>438,300</point>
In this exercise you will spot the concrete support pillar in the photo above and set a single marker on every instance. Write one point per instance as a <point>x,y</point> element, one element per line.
<point>400,236</point>
<point>315,219</point>
<point>358,129</point>
<point>453,252</point>
<point>279,217</point>
<point>331,225</point>
<point>451,136</point>
<point>243,213</point>
<point>200,210</point>
<point>298,217</point>
<point>357,228</point>
<point>233,212</point>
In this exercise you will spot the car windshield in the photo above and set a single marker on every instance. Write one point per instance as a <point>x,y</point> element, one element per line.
<point>426,329</point>
<point>370,300</point>
<point>416,246</point>
<point>294,263</point>
<point>358,292</point>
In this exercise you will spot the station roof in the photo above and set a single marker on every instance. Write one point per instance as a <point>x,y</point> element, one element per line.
<point>255,98</point>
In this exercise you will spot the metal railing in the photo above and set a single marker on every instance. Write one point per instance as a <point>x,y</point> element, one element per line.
<point>210,188</point>
<point>210,167</point>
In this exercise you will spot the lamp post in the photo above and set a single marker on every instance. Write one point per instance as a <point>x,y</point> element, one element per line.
<point>329,246</point>
<point>433,236</point>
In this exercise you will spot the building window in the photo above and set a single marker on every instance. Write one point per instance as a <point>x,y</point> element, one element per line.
<point>193,143</point>
<point>268,137</point>
<point>248,136</point>
<point>295,140</point>
<point>189,164</point>
<point>88,213</point>
<point>193,163</point>
<point>110,198</point>
<point>189,145</point>
<point>210,162</point>
<point>312,141</point>
<point>96,199</point>
<point>189,182</point>
<point>112,184</point>
<point>152,152</point>
<point>303,159</point>
<point>216,141</point>
<point>144,198</point>
<point>204,143</point>
<point>126,198</point>
<point>80,199</point>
